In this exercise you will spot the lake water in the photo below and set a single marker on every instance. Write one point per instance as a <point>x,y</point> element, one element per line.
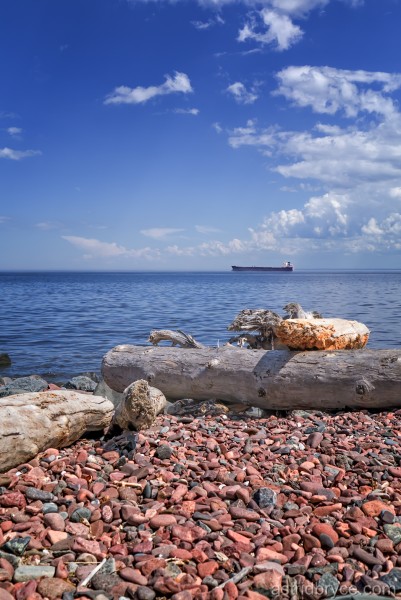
<point>61,324</point>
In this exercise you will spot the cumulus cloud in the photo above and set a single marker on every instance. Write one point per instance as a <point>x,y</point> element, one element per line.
<point>279,30</point>
<point>327,90</point>
<point>158,233</point>
<point>18,154</point>
<point>241,94</point>
<point>178,83</point>
<point>357,167</point>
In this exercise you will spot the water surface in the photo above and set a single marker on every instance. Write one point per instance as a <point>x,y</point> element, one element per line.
<point>61,324</point>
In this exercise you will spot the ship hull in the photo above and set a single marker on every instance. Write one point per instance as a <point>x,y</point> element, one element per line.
<point>270,269</point>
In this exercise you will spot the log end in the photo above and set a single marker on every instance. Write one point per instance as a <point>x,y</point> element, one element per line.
<point>322,334</point>
<point>140,406</point>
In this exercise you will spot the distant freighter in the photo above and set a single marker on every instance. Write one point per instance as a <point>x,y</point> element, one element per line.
<point>287,267</point>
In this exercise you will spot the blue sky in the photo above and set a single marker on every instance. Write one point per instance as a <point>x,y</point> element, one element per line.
<point>158,135</point>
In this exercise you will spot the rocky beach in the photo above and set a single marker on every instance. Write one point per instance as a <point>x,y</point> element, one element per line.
<point>220,506</point>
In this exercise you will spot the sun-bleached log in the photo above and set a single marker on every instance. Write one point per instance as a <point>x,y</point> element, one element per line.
<point>264,379</point>
<point>30,423</point>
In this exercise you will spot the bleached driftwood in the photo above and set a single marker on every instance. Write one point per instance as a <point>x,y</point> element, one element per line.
<point>33,422</point>
<point>322,334</point>
<point>298,330</point>
<point>177,338</point>
<point>269,380</point>
<point>140,406</point>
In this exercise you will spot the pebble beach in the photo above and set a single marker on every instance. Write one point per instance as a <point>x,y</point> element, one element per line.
<point>293,505</point>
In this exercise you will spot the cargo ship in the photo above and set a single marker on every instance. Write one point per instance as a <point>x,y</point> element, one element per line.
<point>287,267</point>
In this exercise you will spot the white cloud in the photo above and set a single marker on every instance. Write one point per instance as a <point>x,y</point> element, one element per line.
<point>18,154</point>
<point>178,83</point>
<point>158,233</point>
<point>187,111</point>
<point>14,131</point>
<point>97,249</point>
<point>395,192</point>
<point>217,127</point>
<point>206,230</point>
<point>241,94</point>
<point>48,225</point>
<point>327,90</point>
<point>280,30</point>
<point>203,25</point>
<point>358,168</point>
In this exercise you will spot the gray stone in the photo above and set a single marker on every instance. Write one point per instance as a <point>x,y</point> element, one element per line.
<point>393,532</point>
<point>102,389</point>
<point>329,585</point>
<point>11,558</point>
<point>26,573</point>
<point>17,545</point>
<point>326,541</point>
<point>49,507</point>
<point>393,579</point>
<point>21,385</point>
<point>34,494</point>
<point>80,514</point>
<point>164,451</point>
<point>82,383</point>
<point>106,581</point>
<point>265,497</point>
<point>145,593</point>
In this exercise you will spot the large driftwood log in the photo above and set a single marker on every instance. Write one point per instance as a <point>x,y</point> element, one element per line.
<point>33,422</point>
<point>269,380</point>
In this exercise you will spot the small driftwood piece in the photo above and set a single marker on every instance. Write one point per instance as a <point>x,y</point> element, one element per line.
<point>258,320</point>
<point>32,422</point>
<point>269,380</point>
<point>140,406</point>
<point>177,338</point>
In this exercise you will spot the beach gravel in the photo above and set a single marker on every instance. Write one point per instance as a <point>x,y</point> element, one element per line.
<point>303,505</point>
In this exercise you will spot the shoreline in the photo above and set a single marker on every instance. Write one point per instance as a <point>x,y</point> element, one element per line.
<point>306,505</point>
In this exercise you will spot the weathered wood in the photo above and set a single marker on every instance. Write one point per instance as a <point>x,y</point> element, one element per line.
<point>33,422</point>
<point>177,338</point>
<point>140,406</point>
<point>269,380</point>
<point>322,334</point>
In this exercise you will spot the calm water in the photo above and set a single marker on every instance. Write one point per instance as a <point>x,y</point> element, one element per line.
<point>61,324</point>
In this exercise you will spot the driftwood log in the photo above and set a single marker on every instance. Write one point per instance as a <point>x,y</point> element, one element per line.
<point>33,422</point>
<point>268,380</point>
